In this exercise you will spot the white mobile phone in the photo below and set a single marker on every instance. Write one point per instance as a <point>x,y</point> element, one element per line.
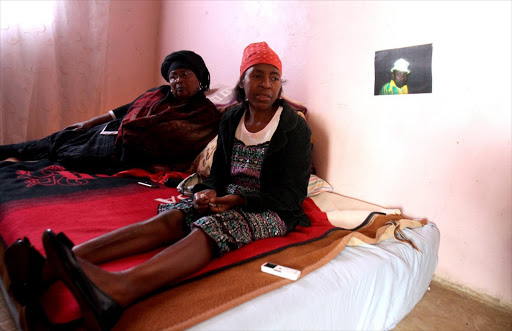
<point>279,270</point>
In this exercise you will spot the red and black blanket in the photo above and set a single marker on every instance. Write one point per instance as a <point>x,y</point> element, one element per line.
<point>35,196</point>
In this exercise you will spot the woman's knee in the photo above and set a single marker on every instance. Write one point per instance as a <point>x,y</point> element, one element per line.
<point>173,222</point>
<point>209,246</point>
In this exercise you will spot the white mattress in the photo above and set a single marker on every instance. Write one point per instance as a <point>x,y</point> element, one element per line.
<point>366,287</point>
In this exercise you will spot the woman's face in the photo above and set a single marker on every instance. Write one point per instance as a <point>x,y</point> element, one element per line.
<point>262,85</point>
<point>184,83</point>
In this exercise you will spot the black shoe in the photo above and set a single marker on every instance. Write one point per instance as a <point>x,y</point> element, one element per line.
<point>24,265</point>
<point>100,312</point>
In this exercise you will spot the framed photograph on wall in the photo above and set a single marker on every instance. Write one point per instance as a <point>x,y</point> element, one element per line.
<point>405,70</point>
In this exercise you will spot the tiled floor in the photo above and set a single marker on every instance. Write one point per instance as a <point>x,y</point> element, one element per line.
<point>441,308</point>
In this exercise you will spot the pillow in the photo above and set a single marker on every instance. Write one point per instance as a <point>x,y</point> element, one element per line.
<point>203,162</point>
<point>222,97</point>
<point>317,185</point>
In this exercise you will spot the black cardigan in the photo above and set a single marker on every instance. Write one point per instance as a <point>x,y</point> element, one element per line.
<point>285,170</point>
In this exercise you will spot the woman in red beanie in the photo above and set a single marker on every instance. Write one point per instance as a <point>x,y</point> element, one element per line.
<point>257,184</point>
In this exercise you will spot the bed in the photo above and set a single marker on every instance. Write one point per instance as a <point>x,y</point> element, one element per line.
<point>350,279</point>
<point>363,266</point>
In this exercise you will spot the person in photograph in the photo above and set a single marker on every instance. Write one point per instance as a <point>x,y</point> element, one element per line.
<point>398,84</point>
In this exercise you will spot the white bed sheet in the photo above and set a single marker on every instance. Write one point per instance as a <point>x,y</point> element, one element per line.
<point>366,287</point>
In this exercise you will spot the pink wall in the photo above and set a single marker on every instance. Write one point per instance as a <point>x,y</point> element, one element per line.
<point>133,43</point>
<point>445,156</point>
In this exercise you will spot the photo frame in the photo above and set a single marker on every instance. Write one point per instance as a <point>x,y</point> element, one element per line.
<point>410,64</point>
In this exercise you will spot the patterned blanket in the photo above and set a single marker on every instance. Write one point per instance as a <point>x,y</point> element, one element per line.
<point>39,195</point>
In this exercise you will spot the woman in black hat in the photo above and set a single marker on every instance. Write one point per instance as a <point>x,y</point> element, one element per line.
<point>166,126</point>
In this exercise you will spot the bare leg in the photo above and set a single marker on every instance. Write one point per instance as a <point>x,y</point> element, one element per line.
<point>183,258</point>
<point>162,229</point>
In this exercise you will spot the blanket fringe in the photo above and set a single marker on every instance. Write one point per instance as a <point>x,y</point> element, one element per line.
<point>400,236</point>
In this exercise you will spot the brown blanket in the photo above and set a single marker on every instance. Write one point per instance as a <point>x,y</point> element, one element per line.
<point>189,304</point>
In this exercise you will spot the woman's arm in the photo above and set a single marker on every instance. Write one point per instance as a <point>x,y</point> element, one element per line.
<point>91,123</point>
<point>111,115</point>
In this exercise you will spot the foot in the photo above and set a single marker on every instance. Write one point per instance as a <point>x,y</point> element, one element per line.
<point>24,266</point>
<point>100,312</point>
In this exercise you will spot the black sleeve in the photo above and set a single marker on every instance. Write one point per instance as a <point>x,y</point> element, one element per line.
<point>123,110</point>
<point>284,186</point>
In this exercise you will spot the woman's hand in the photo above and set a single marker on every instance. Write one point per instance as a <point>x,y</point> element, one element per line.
<point>79,126</point>
<point>218,205</point>
<point>202,200</point>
